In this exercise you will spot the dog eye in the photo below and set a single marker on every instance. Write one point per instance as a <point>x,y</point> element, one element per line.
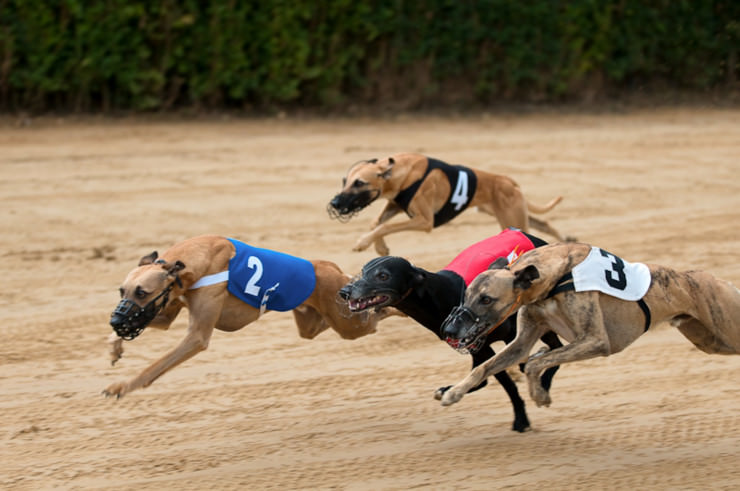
<point>382,276</point>
<point>486,300</point>
<point>140,293</point>
<point>358,183</point>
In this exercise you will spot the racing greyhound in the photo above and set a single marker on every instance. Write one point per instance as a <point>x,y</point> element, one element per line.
<point>593,299</point>
<point>431,192</point>
<point>428,298</point>
<point>225,284</point>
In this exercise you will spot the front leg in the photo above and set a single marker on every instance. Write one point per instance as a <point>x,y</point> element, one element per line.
<point>582,348</point>
<point>422,221</point>
<point>188,347</point>
<point>510,355</point>
<point>391,209</point>
<point>200,329</point>
<point>479,357</point>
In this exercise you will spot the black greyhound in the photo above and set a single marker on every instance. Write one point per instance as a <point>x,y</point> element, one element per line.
<point>428,298</point>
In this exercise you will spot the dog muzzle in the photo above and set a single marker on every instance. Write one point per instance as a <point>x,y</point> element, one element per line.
<point>345,206</point>
<point>129,319</point>
<point>463,330</point>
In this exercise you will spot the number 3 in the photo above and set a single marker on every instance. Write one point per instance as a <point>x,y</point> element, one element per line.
<point>620,283</point>
<point>254,263</point>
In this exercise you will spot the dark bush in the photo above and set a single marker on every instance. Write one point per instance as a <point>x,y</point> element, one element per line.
<point>78,55</point>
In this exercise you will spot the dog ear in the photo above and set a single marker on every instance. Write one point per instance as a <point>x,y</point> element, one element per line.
<point>148,259</point>
<point>386,174</point>
<point>499,263</point>
<point>176,267</point>
<point>524,277</point>
<point>418,280</point>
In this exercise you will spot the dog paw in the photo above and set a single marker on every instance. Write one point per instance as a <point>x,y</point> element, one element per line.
<point>541,397</point>
<point>363,243</point>
<point>440,392</point>
<point>116,390</point>
<point>521,424</point>
<point>452,396</point>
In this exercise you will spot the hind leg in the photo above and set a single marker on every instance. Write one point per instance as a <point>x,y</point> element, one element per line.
<point>553,342</point>
<point>703,338</point>
<point>309,322</point>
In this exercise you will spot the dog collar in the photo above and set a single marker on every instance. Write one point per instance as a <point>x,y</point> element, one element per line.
<point>211,279</point>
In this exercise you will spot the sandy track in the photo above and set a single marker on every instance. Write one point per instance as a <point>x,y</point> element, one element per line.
<point>264,409</point>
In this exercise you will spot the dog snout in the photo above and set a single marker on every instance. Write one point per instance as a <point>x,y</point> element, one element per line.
<point>345,292</point>
<point>456,324</point>
<point>451,328</point>
<point>336,202</point>
<point>117,320</point>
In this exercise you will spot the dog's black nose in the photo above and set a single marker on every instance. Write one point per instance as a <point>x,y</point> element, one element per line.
<point>335,202</point>
<point>345,292</point>
<point>117,320</point>
<point>457,322</point>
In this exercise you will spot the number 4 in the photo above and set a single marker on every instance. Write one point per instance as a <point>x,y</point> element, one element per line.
<point>460,196</point>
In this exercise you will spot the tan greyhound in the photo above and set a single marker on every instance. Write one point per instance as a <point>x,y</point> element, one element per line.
<point>431,193</point>
<point>226,284</point>
<point>573,289</point>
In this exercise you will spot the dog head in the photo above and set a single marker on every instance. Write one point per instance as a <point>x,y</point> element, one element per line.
<point>490,299</point>
<point>144,294</point>
<point>364,183</point>
<point>383,281</point>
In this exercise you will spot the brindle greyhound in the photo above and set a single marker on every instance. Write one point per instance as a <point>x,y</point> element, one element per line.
<point>431,192</point>
<point>202,274</point>
<point>428,298</point>
<point>550,288</point>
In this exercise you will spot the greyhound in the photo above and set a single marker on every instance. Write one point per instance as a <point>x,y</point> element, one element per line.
<point>593,299</point>
<point>225,284</point>
<point>428,298</point>
<point>431,192</point>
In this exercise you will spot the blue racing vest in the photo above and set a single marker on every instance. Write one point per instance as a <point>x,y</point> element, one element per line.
<point>269,280</point>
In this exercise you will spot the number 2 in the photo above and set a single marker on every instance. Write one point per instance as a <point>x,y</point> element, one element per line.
<point>620,283</point>
<point>254,263</point>
<point>460,196</point>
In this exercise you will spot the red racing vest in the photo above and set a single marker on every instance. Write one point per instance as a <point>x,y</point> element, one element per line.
<point>511,243</point>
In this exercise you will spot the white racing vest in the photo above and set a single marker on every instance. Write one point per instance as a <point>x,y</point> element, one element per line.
<point>603,271</point>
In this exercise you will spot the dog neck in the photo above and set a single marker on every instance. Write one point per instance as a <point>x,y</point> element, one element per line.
<point>430,304</point>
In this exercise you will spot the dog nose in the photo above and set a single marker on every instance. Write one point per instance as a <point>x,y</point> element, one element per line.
<point>345,292</point>
<point>335,202</point>
<point>453,326</point>
<point>116,321</point>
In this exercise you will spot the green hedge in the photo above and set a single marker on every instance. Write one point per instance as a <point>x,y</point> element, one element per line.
<point>160,54</point>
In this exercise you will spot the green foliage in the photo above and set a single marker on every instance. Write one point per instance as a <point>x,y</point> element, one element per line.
<point>88,55</point>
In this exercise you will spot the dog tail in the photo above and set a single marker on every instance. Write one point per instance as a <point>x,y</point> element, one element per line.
<point>544,209</point>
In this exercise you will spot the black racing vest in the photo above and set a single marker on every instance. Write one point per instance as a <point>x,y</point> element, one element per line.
<point>462,189</point>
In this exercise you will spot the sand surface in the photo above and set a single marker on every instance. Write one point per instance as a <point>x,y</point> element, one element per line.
<point>262,408</point>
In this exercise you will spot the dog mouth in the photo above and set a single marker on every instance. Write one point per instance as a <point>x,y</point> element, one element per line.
<point>366,303</point>
<point>464,331</point>
<point>469,344</point>
<point>344,207</point>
